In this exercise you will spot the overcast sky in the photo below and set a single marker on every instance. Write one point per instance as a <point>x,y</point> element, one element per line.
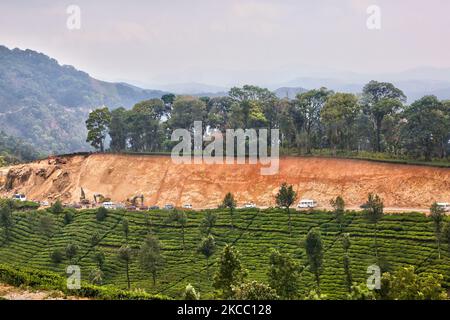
<point>224,42</point>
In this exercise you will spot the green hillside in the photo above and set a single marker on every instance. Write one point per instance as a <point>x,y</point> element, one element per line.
<point>403,239</point>
<point>46,103</point>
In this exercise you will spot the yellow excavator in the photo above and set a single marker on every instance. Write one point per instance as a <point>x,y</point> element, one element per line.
<point>99,198</point>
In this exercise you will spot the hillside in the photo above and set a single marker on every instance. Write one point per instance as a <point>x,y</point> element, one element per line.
<point>46,103</point>
<point>204,186</point>
<point>405,239</point>
<point>13,150</point>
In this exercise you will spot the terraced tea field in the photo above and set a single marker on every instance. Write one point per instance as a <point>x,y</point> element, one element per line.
<point>402,239</point>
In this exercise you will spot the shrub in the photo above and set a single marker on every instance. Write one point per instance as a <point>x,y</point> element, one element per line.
<point>95,239</point>
<point>254,291</point>
<point>99,259</point>
<point>57,256</point>
<point>68,217</point>
<point>46,225</point>
<point>71,251</point>
<point>57,207</point>
<point>190,293</point>
<point>102,213</point>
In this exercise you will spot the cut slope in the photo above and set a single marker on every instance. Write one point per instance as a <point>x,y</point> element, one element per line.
<point>204,186</point>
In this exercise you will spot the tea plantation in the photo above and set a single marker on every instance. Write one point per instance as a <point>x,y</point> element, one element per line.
<point>403,239</point>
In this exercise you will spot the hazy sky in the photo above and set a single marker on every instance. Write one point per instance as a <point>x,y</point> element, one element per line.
<point>225,42</point>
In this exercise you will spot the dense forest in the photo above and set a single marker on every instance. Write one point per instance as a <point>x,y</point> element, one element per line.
<point>317,121</point>
<point>14,150</point>
<point>45,103</point>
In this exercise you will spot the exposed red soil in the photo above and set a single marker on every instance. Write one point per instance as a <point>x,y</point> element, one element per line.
<point>160,181</point>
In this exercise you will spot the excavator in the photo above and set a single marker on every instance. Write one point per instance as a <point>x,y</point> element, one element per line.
<point>134,201</point>
<point>83,200</point>
<point>99,198</point>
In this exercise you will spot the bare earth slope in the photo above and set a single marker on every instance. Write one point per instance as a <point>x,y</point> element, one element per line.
<point>160,181</point>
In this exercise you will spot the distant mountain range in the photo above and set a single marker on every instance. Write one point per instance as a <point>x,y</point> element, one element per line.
<point>46,103</point>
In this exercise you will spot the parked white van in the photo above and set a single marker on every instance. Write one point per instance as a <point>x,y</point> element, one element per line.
<point>109,205</point>
<point>307,203</point>
<point>444,205</point>
<point>19,197</point>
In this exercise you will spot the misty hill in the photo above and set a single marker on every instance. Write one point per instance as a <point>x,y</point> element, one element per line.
<point>415,83</point>
<point>46,103</point>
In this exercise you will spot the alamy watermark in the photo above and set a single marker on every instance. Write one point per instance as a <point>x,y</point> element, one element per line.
<point>73,21</point>
<point>374,279</point>
<point>373,21</point>
<point>73,277</point>
<point>191,150</point>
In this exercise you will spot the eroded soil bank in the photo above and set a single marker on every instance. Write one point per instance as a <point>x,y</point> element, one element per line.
<point>120,177</point>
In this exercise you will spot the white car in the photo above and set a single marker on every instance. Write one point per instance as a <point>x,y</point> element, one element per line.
<point>109,205</point>
<point>19,197</point>
<point>306,204</point>
<point>249,205</point>
<point>444,205</point>
<point>187,206</point>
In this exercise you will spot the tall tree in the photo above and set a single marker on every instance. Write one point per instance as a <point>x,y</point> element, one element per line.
<point>125,255</point>
<point>406,284</point>
<point>285,198</point>
<point>338,115</point>
<point>125,228</point>
<point>97,125</point>
<point>374,212</point>
<point>230,273</point>
<point>309,105</point>
<point>338,205</point>
<point>380,99</point>
<point>346,261</point>
<point>283,275</point>
<point>6,220</point>
<point>150,257</point>
<point>185,111</point>
<point>426,130</point>
<point>446,235</point>
<point>71,251</point>
<point>314,252</point>
<point>180,218</point>
<point>229,202</point>
<point>207,248</point>
<point>118,130</point>
<point>208,223</point>
<point>437,215</point>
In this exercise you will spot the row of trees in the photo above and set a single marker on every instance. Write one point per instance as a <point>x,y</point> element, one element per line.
<point>377,120</point>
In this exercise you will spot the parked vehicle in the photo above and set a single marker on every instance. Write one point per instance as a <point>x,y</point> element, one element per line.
<point>249,205</point>
<point>169,207</point>
<point>109,205</point>
<point>154,208</point>
<point>19,197</point>
<point>307,203</point>
<point>187,206</point>
<point>444,205</point>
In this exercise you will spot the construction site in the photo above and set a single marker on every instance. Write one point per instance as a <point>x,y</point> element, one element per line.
<point>141,181</point>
